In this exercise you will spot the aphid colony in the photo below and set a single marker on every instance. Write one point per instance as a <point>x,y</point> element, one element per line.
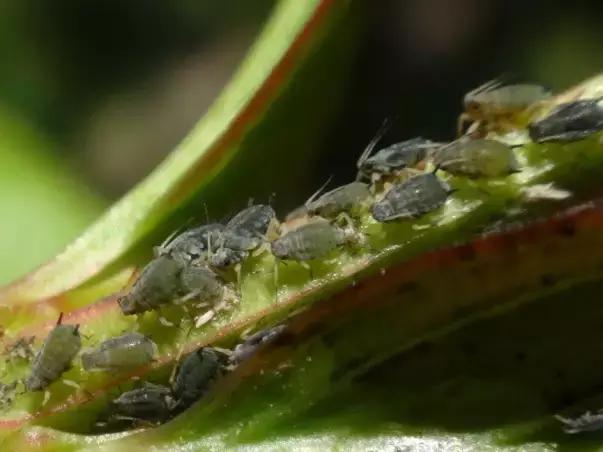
<point>398,183</point>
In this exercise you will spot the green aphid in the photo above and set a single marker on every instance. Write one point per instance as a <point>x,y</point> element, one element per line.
<point>122,352</point>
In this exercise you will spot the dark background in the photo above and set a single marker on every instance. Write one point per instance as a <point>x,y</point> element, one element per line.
<point>109,87</point>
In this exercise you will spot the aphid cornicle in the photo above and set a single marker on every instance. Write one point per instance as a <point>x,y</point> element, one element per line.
<point>412,198</point>
<point>495,106</point>
<point>569,122</point>
<point>166,280</point>
<point>246,349</point>
<point>476,158</point>
<point>151,402</point>
<point>312,240</point>
<point>55,356</point>
<point>192,245</point>
<point>587,422</point>
<point>195,375</point>
<point>245,232</point>
<point>122,352</point>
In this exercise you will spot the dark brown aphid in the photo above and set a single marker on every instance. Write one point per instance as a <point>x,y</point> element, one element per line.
<point>412,198</point>
<point>153,403</point>
<point>476,158</point>
<point>498,107</point>
<point>166,280</point>
<point>195,375</point>
<point>122,352</point>
<point>569,122</point>
<point>55,356</point>
<point>310,241</point>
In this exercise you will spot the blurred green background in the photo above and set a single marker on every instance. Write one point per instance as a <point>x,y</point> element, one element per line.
<point>93,94</point>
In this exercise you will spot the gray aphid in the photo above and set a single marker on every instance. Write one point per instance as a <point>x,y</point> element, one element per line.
<point>412,198</point>
<point>569,122</point>
<point>192,245</point>
<point>243,233</point>
<point>195,375</point>
<point>406,154</point>
<point>121,352</point>
<point>587,422</point>
<point>58,350</point>
<point>476,158</point>
<point>150,403</point>
<point>164,280</point>
<point>246,349</point>
<point>310,241</point>
<point>341,199</point>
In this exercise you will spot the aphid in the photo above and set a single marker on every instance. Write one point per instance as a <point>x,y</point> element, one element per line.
<point>21,349</point>
<point>394,158</point>
<point>494,106</point>
<point>195,375</point>
<point>54,358</point>
<point>309,241</point>
<point>476,158</point>
<point>587,422</point>
<point>245,232</point>
<point>412,198</point>
<point>192,245</point>
<point>7,394</point>
<point>345,199</point>
<point>125,351</point>
<point>166,280</point>
<point>246,349</point>
<point>569,122</point>
<point>149,403</point>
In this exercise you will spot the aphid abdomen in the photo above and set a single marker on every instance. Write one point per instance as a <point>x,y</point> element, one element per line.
<point>569,122</point>
<point>122,352</point>
<point>477,158</point>
<point>193,244</point>
<point>200,282</point>
<point>342,199</point>
<point>254,221</point>
<point>412,198</point>
<point>405,154</point>
<point>310,241</point>
<point>158,283</point>
<point>195,375</point>
<point>55,356</point>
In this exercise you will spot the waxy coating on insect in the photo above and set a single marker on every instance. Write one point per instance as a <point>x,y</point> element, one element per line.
<point>587,422</point>
<point>398,156</point>
<point>476,158</point>
<point>166,280</point>
<point>195,375</point>
<point>310,241</point>
<point>21,349</point>
<point>569,122</point>
<point>122,352</point>
<point>194,244</point>
<point>412,198</point>
<point>7,393</point>
<point>58,350</point>
<point>246,349</point>
<point>151,402</point>
<point>497,105</point>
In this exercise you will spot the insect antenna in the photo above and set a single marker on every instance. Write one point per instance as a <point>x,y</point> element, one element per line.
<point>385,126</point>
<point>318,192</point>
